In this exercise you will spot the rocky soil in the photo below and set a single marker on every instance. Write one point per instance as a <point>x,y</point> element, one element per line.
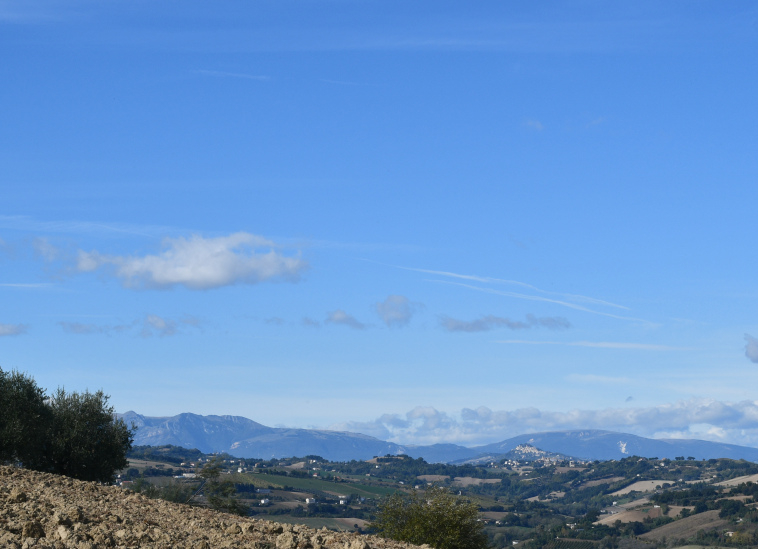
<point>53,512</point>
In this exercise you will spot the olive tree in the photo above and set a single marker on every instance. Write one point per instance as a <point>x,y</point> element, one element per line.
<point>73,434</point>
<point>24,420</point>
<point>220,494</point>
<point>434,516</point>
<point>86,440</point>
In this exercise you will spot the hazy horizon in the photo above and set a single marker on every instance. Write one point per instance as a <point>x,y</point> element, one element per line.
<point>430,220</point>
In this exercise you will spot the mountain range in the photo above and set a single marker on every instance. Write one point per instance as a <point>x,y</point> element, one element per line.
<point>245,438</point>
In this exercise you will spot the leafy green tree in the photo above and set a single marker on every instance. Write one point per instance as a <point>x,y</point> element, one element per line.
<point>24,419</point>
<point>220,494</point>
<point>176,492</point>
<point>86,440</point>
<point>434,516</point>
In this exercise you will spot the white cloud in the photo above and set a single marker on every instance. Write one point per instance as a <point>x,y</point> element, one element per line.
<point>534,124</point>
<point>147,326</point>
<point>572,301</point>
<point>244,76</point>
<point>341,317</point>
<point>80,328</point>
<point>591,378</point>
<point>396,310</point>
<point>274,320</point>
<point>493,280</point>
<point>695,418</point>
<point>200,263</point>
<point>156,325</point>
<point>489,322</point>
<point>751,348</point>
<point>311,323</point>
<point>44,249</point>
<point>601,345</point>
<point>12,329</point>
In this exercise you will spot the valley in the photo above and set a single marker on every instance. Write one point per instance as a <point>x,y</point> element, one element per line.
<point>530,499</point>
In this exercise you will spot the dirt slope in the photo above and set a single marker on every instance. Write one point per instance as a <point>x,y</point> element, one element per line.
<point>44,511</point>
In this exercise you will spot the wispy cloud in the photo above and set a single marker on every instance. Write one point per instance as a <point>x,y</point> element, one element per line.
<point>492,280</point>
<point>341,317</point>
<point>274,320</point>
<point>80,328</point>
<point>490,322</point>
<point>147,326</point>
<point>44,249</point>
<point>156,325</point>
<point>396,310</point>
<point>545,300</point>
<point>199,263</point>
<point>342,82</point>
<point>591,378</point>
<point>25,12</point>
<point>751,348</point>
<point>13,329</point>
<point>534,125</point>
<point>29,285</point>
<point>310,323</point>
<point>29,224</point>
<point>694,418</point>
<point>245,76</point>
<point>601,345</point>
<point>572,301</point>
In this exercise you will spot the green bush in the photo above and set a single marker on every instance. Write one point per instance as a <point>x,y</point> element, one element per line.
<point>220,494</point>
<point>87,442</point>
<point>435,517</point>
<point>25,420</point>
<point>73,434</point>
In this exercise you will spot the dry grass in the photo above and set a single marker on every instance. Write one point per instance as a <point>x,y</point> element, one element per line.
<point>433,478</point>
<point>738,480</point>
<point>641,486</point>
<point>598,482</point>
<point>633,515</point>
<point>471,481</point>
<point>569,469</point>
<point>687,527</point>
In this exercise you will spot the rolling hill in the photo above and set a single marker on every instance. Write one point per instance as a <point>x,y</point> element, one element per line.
<point>245,438</point>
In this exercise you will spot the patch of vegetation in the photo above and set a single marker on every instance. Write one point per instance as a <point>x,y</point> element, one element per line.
<point>537,504</point>
<point>72,434</point>
<point>434,517</point>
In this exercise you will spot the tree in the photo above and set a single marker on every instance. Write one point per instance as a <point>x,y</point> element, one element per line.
<point>69,434</point>
<point>435,517</point>
<point>24,419</point>
<point>86,440</point>
<point>220,494</point>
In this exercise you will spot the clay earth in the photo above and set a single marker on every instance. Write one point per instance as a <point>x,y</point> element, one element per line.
<point>46,511</point>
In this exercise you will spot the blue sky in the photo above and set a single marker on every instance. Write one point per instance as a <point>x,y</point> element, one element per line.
<point>425,221</point>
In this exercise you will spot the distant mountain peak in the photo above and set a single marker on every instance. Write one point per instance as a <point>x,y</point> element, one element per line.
<point>243,437</point>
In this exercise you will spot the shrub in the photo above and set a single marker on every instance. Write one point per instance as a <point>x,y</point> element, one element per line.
<point>220,494</point>
<point>24,419</point>
<point>435,517</point>
<point>73,434</point>
<point>87,442</point>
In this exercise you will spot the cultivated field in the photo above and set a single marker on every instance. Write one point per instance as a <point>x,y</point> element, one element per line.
<point>263,480</point>
<point>641,486</point>
<point>737,480</point>
<point>687,527</point>
<point>601,481</point>
<point>471,481</point>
